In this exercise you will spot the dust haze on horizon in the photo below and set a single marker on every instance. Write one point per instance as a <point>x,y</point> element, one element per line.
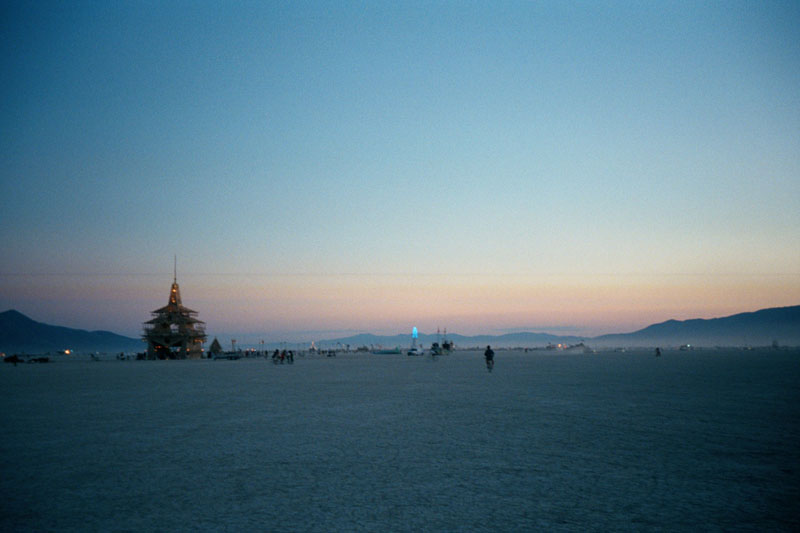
<point>559,167</point>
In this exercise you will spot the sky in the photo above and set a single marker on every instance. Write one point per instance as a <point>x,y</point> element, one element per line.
<point>325,168</point>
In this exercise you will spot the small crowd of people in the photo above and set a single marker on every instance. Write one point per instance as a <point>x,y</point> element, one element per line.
<point>283,356</point>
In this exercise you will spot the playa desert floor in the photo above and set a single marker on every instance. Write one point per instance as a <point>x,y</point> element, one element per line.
<point>608,441</point>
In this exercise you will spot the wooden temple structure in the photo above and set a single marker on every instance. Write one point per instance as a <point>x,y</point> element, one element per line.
<point>174,332</point>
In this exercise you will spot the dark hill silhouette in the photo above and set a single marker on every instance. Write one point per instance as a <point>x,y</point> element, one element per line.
<point>758,328</point>
<point>20,334</point>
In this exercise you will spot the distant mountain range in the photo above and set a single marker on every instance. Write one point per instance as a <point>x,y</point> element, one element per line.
<point>20,334</point>
<point>759,328</point>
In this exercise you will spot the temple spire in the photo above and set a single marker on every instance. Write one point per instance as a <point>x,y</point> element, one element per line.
<point>175,291</point>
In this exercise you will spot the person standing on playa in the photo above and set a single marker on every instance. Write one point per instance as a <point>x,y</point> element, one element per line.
<point>489,355</point>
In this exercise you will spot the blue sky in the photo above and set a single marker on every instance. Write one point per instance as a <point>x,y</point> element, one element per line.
<point>336,166</point>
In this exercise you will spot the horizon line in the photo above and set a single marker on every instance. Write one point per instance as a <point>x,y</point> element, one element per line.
<point>400,274</point>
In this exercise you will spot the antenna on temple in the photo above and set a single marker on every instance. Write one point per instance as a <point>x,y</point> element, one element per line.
<point>175,268</point>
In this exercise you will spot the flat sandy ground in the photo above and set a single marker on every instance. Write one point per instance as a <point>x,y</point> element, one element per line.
<point>610,441</point>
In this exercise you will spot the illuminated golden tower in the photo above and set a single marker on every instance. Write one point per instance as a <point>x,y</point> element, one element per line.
<point>174,332</point>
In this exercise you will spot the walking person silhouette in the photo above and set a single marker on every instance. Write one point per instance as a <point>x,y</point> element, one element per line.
<point>489,355</point>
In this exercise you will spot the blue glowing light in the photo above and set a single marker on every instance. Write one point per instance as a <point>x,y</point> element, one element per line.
<point>414,333</point>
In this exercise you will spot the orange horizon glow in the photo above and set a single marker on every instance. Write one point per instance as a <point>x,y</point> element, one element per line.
<point>465,304</point>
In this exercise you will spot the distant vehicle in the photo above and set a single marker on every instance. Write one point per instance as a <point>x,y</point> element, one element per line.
<point>444,346</point>
<point>447,346</point>
<point>579,348</point>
